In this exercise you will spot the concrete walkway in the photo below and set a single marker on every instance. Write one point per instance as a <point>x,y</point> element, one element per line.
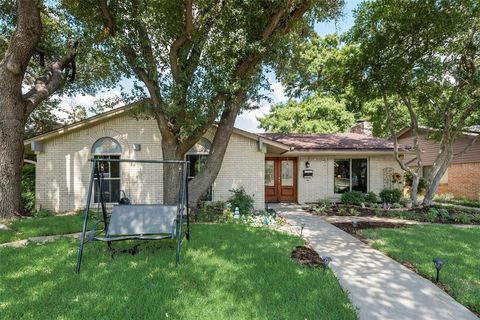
<point>378,286</point>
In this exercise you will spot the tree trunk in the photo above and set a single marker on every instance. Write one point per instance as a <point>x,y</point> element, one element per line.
<point>200,184</point>
<point>171,172</point>
<point>11,156</point>
<point>414,189</point>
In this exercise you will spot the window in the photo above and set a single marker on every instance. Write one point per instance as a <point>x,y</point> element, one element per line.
<point>269,173</point>
<point>350,175</point>
<point>197,162</point>
<point>107,148</point>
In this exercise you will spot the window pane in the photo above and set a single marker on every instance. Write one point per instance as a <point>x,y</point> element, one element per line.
<point>115,167</point>
<point>269,173</point>
<point>359,175</point>
<point>106,146</point>
<point>342,176</point>
<point>197,162</point>
<point>287,173</point>
<point>114,190</point>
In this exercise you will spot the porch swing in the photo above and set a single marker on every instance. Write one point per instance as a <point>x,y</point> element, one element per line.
<point>130,221</point>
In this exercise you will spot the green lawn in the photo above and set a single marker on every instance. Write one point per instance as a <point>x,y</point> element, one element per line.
<point>420,244</point>
<point>228,271</point>
<point>34,227</point>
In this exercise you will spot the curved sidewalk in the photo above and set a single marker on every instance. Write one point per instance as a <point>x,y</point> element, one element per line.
<point>378,286</point>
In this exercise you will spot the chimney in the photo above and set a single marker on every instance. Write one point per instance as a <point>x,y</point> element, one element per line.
<point>362,127</point>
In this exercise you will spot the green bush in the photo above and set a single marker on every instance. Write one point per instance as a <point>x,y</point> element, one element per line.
<point>242,200</point>
<point>443,214</point>
<point>371,197</point>
<point>391,195</point>
<point>431,215</point>
<point>396,205</point>
<point>28,189</point>
<point>42,213</point>
<point>211,212</point>
<point>352,197</point>
<point>462,218</point>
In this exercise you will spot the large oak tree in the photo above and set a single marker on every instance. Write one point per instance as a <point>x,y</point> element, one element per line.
<point>197,62</point>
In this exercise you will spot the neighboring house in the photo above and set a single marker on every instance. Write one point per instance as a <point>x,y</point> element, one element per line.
<point>271,167</point>
<point>463,175</point>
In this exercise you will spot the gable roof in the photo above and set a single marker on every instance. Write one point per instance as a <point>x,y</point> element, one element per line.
<point>330,142</point>
<point>111,114</point>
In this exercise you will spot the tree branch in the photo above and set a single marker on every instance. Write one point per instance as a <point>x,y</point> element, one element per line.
<point>51,81</point>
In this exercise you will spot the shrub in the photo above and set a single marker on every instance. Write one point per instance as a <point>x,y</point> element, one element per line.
<point>42,213</point>
<point>242,200</point>
<point>28,189</point>
<point>443,214</point>
<point>391,195</point>
<point>322,207</point>
<point>28,202</point>
<point>211,211</point>
<point>462,218</point>
<point>375,206</point>
<point>431,215</point>
<point>352,212</point>
<point>342,211</point>
<point>396,205</point>
<point>371,197</point>
<point>352,197</point>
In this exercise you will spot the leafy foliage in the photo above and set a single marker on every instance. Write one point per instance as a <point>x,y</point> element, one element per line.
<point>317,114</point>
<point>371,197</point>
<point>241,199</point>
<point>353,197</point>
<point>391,195</point>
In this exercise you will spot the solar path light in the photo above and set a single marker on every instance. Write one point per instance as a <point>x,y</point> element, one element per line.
<point>438,262</point>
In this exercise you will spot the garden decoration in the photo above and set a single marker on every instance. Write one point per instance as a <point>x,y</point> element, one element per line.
<point>129,221</point>
<point>237,213</point>
<point>438,262</point>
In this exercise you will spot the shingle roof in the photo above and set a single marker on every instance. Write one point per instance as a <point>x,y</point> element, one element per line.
<point>337,141</point>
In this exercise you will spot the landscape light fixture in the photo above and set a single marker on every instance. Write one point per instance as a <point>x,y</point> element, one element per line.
<point>326,260</point>
<point>355,224</point>
<point>438,262</point>
<point>301,228</point>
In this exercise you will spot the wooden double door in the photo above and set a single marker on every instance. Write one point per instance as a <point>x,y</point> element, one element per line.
<point>280,179</point>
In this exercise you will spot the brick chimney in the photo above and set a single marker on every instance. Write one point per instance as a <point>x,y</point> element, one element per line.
<point>362,127</point>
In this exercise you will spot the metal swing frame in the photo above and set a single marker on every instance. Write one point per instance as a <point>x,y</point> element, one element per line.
<point>176,232</point>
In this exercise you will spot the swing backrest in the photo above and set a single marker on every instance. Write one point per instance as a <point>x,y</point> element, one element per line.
<point>142,219</point>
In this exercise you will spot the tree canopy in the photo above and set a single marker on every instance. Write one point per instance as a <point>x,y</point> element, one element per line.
<point>316,114</point>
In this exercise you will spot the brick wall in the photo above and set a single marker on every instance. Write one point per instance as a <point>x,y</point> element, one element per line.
<point>63,169</point>
<point>463,180</point>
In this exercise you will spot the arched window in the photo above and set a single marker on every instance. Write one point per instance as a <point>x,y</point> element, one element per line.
<point>108,148</point>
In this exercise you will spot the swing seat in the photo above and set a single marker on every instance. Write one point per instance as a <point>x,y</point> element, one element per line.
<point>144,222</point>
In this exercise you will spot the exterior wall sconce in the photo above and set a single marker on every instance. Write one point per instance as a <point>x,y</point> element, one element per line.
<point>307,164</point>
<point>137,147</point>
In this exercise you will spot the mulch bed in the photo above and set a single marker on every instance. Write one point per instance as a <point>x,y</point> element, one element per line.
<point>307,256</point>
<point>353,227</point>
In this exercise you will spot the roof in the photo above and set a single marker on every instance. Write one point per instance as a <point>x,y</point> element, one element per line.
<point>99,118</point>
<point>337,141</point>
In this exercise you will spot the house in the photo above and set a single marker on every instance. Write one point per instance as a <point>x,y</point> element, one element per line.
<point>462,177</point>
<point>270,167</point>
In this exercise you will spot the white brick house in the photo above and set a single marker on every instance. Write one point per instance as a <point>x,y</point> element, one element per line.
<point>271,168</point>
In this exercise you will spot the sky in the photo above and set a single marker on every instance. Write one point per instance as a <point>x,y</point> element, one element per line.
<point>247,120</point>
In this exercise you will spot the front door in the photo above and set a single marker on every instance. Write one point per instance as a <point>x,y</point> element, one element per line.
<point>280,179</point>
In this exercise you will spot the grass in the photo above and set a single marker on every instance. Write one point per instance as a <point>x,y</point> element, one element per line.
<point>229,271</point>
<point>418,245</point>
<point>35,227</point>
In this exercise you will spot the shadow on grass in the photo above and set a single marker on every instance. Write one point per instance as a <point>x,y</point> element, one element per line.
<point>227,271</point>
